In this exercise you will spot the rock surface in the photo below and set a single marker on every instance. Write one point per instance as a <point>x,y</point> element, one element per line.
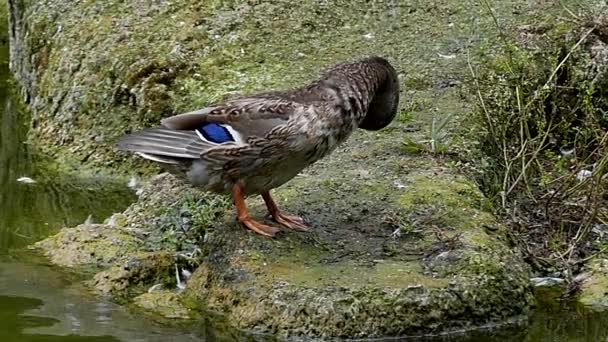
<point>398,260</point>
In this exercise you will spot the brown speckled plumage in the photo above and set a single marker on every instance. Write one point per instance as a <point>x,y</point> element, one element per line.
<point>274,135</point>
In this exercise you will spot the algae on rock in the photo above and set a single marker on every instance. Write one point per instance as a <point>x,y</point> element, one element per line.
<point>165,304</point>
<point>341,280</point>
<point>88,244</point>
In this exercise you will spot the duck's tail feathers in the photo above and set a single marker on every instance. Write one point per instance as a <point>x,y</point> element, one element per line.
<point>164,145</point>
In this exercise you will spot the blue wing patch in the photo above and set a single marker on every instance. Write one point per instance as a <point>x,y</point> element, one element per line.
<point>215,133</point>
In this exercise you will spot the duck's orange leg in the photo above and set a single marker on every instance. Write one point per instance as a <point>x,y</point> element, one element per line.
<point>243,214</point>
<point>291,222</point>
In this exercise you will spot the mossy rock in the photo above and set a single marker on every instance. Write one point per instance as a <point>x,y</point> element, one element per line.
<point>400,246</point>
<point>594,289</point>
<point>404,245</point>
<point>355,275</point>
<point>163,303</point>
<point>135,274</point>
<point>99,245</point>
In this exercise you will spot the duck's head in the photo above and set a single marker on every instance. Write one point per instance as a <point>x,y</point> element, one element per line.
<point>384,104</point>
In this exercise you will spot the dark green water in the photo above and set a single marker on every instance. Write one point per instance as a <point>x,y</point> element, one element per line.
<point>40,303</point>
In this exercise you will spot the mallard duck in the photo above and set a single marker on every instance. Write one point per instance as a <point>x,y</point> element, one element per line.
<point>249,145</point>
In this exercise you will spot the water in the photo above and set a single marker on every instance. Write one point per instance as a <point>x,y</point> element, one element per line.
<point>41,303</point>
<point>37,301</point>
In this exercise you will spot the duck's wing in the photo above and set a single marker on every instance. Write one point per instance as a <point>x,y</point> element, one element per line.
<point>252,116</point>
<point>233,125</point>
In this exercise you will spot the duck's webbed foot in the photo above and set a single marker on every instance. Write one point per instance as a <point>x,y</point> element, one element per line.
<point>288,221</point>
<point>243,215</point>
<point>258,227</point>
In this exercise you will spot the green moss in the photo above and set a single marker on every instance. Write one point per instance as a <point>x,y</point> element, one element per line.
<point>134,274</point>
<point>450,201</point>
<point>316,282</point>
<point>349,274</point>
<point>594,291</point>
<point>4,51</point>
<point>349,265</point>
<point>466,224</point>
<point>3,24</point>
<point>165,304</point>
<point>96,245</point>
<point>427,190</point>
<point>175,215</point>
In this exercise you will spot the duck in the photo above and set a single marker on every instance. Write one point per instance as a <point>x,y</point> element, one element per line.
<point>248,145</point>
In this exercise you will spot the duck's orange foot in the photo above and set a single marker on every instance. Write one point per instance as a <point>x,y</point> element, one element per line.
<point>289,221</point>
<point>243,214</point>
<point>258,227</point>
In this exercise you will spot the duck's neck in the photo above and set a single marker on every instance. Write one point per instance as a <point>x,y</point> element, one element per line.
<point>369,91</point>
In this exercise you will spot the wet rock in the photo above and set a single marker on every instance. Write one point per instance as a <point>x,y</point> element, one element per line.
<point>89,244</point>
<point>346,281</point>
<point>134,274</point>
<point>547,282</point>
<point>163,303</point>
<point>350,276</point>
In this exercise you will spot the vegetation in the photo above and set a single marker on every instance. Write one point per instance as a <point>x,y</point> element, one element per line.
<point>437,141</point>
<point>541,124</point>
